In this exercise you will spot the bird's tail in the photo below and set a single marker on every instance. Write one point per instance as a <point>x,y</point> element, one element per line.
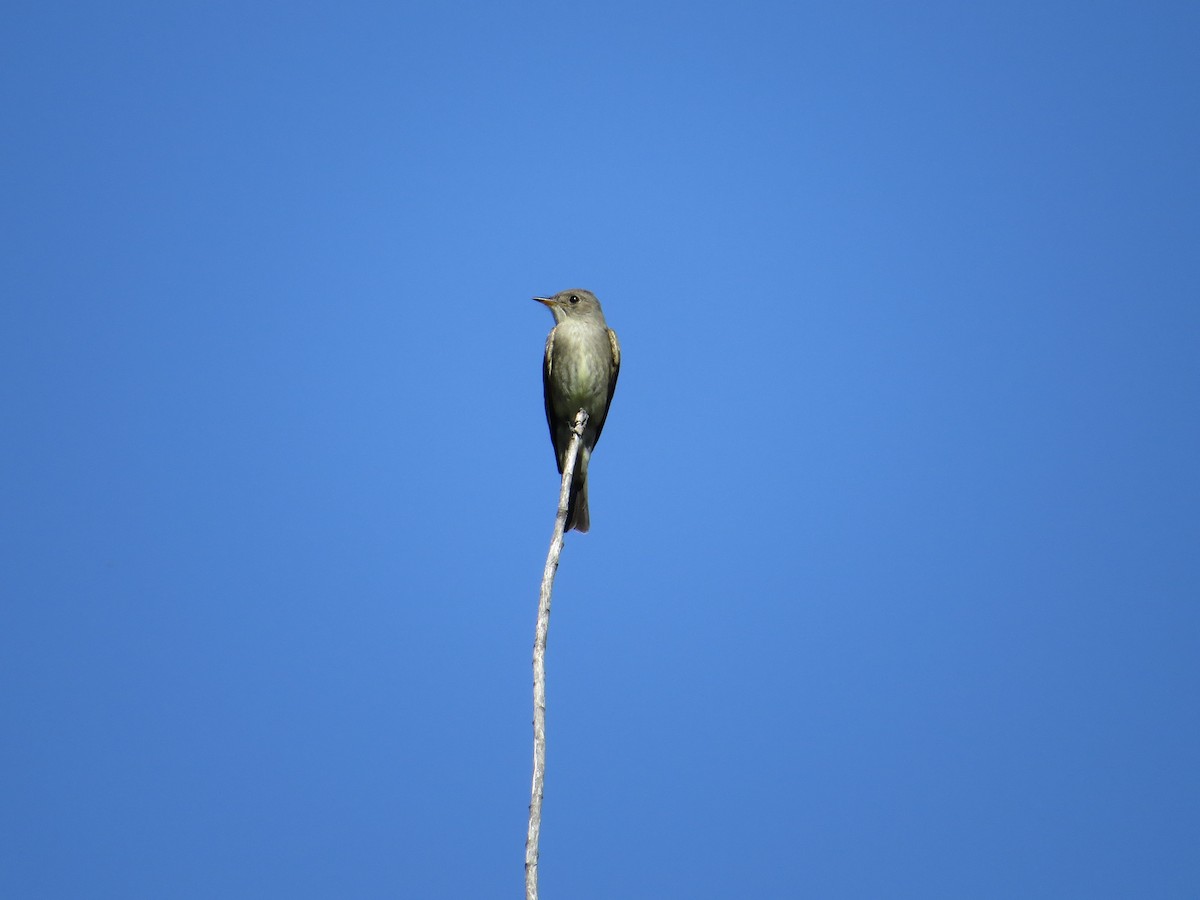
<point>577,504</point>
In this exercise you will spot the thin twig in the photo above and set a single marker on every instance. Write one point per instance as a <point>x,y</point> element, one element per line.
<point>539,663</point>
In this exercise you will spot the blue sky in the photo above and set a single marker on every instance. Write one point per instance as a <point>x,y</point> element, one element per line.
<point>892,584</point>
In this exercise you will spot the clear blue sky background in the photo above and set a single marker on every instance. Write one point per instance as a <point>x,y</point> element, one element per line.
<point>892,588</point>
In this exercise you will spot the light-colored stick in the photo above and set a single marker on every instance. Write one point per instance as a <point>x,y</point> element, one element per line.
<point>539,663</point>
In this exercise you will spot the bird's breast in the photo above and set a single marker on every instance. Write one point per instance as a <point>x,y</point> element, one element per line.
<point>582,365</point>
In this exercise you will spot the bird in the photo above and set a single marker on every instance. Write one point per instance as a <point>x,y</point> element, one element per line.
<point>579,371</point>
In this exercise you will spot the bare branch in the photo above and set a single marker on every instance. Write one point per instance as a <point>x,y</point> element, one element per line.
<point>539,662</point>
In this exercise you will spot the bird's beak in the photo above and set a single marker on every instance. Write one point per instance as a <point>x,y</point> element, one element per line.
<point>545,300</point>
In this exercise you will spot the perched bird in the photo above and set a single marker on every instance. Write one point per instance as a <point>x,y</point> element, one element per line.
<point>579,372</point>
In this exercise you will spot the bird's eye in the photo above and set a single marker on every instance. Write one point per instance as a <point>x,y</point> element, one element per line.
<point>574,298</point>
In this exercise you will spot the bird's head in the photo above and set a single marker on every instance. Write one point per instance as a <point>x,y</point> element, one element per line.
<point>572,304</point>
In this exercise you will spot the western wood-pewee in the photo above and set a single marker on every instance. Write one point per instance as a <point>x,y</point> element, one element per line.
<point>579,372</point>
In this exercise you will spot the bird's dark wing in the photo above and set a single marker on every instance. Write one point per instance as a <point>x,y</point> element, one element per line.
<point>547,365</point>
<point>612,384</point>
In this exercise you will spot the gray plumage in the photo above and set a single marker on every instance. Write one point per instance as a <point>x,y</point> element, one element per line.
<point>579,371</point>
